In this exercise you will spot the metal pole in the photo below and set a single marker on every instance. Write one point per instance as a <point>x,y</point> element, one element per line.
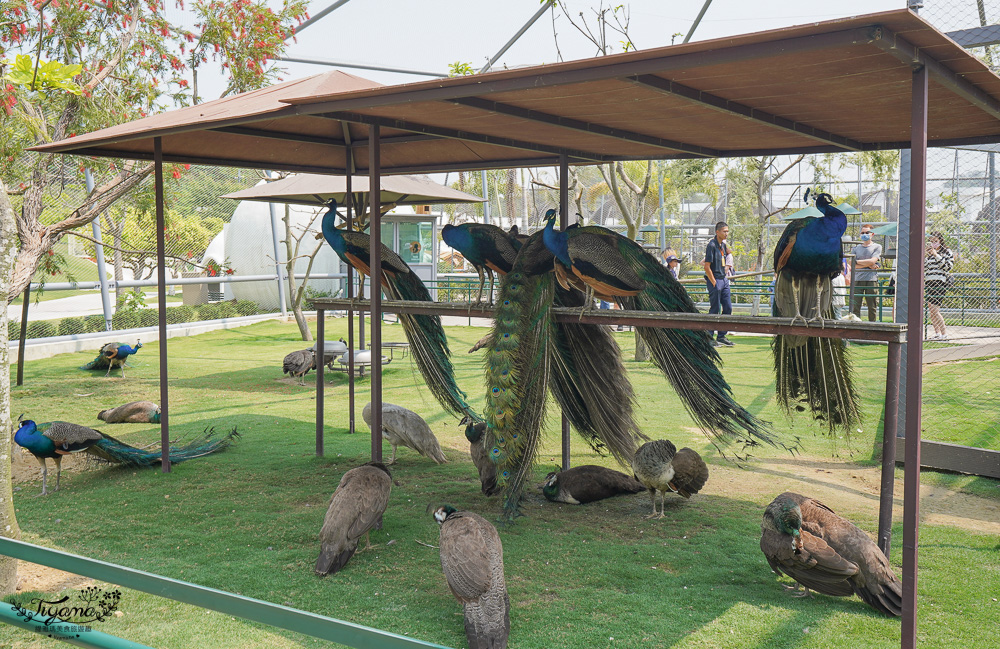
<point>316,17</point>
<point>350,311</point>
<point>993,230</point>
<point>914,353</point>
<point>563,223</point>
<point>486,196</point>
<point>888,449</point>
<point>697,21</point>
<point>375,263</point>
<point>663,220</point>
<point>320,388</point>
<point>102,275</point>
<point>161,296</point>
<point>277,258</point>
<point>520,32</point>
<point>25,301</point>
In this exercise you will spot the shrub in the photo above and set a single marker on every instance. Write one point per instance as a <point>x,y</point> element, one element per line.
<point>148,317</point>
<point>208,311</point>
<point>94,323</point>
<point>42,329</point>
<point>124,320</point>
<point>181,314</point>
<point>71,326</point>
<point>227,310</point>
<point>13,329</point>
<point>312,295</point>
<point>247,307</point>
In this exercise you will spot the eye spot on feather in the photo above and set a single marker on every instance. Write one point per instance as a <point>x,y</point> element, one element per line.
<point>505,474</point>
<point>506,335</point>
<point>496,391</point>
<point>495,452</point>
<point>500,441</point>
<point>506,302</point>
<point>513,436</point>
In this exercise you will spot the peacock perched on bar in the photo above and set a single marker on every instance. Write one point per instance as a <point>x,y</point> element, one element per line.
<point>617,268</point>
<point>58,438</point>
<point>528,353</point>
<point>812,373</point>
<point>427,339</point>
<point>490,249</point>
<point>112,355</point>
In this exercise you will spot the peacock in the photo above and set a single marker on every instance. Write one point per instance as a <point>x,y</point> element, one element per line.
<point>616,268</point>
<point>528,353</point>
<point>58,438</point>
<point>136,412</point>
<point>587,483</point>
<point>813,373</point>
<point>424,332</point>
<point>402,426</point>
<point>487,247</point>
<point>804,539</point>
<point>472,561</point>
<point>299,363</point>
<point>111,355</point>
<point>356,507</point>
<point>475,432</point>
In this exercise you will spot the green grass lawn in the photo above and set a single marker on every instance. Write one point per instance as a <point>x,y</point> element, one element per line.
<point>247,520</point>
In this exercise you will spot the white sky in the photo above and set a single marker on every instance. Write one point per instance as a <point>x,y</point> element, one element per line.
<point>428,35</point>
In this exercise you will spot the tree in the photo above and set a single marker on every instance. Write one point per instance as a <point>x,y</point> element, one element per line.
<point>80,66</point>
<point>8,520</point>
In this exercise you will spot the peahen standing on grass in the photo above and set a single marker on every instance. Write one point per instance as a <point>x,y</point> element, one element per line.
<point>813,373</point>
<point>490,249</point>
<point>427,339</point>
<point>529,353</point>
<point>111,355</point>
<point>58,438</point>
<point>617,268</point>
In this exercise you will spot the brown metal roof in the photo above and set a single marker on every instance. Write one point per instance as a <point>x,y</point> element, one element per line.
<point>839,85</point>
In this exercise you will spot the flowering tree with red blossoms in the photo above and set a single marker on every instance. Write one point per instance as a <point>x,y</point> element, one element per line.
<point>75,66</point>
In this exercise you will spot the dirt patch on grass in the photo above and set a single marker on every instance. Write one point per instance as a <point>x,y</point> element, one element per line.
<point>31,576</point>
<point>851,490</point>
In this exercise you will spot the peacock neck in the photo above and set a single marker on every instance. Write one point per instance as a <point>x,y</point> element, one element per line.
<point>556,242</point>
<point>333,236</point>
<point>833,222</point>
<point>26,433</point>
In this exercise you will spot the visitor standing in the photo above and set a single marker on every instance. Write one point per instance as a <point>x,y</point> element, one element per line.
<point>938,262</point>
<point>715,277</point>
<point>672,263</point>
<point>867,256</point>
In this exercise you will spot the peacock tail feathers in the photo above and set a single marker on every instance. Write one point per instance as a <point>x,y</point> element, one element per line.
<point>101,361</point>
<point>517,370</point>
<point>686,357</point>
<point>814,374</point>
<point>589,382</point>
<point>114,450</point>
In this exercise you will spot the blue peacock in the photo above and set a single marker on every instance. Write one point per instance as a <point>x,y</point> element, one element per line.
<point>489,249</point>
<point>112,355</point>
<point>425,334</point>
<point>812,373</point>
<point>611,266</point>
<point>53,440</point>
<point>528,352</point>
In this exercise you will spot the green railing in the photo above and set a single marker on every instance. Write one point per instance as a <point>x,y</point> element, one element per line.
<point>255,610</point>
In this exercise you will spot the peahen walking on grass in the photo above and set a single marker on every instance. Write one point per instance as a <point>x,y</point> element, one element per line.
<point>529,353</point>
<point>427,339</point>
<point>490,249</point>
<point>58,438</point>
<point>617,268</point>
<point>812,373</point>
<point>112,355</point>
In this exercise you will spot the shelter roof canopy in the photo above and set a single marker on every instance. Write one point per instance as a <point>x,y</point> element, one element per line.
<point>841,85</point>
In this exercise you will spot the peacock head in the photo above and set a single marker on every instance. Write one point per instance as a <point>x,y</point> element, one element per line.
<point>442,513</point>
<point>138,345</point>
<point>786,517</point>
<point>824,199</point>
<point>550,217</point>
<point>551,485</point>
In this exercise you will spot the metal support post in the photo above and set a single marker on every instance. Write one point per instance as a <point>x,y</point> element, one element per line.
<point>102,275</point>
<point>278,266</point>
<point>563,223</point>
<point>350,310</point>
<point>888,449</point>
<point>161,296</point>
<point>25,303</point>
<point>320,388</point>
<point>914,353</point>
<point>375,263</point>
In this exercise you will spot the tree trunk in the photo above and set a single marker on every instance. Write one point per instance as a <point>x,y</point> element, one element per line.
<point>8,520</point>
<point>641,351</point>
<point>294,291</point>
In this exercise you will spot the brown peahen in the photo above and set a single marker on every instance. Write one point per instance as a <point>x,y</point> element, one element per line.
<point>136,412</point>
<point>355,509</point>
<point>401,426</point>
<point>587,483</point>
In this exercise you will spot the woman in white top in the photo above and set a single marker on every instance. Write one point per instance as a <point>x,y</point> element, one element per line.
<point>938,262</point>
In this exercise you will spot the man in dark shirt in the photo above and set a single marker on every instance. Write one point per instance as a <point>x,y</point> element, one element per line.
<point>715,277</point>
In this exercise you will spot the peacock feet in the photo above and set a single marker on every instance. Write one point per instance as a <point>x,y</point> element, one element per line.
<point>655,516</point>
<point>804,593</point>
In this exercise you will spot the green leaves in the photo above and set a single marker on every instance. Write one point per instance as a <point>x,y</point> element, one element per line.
<point>50,75</point>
